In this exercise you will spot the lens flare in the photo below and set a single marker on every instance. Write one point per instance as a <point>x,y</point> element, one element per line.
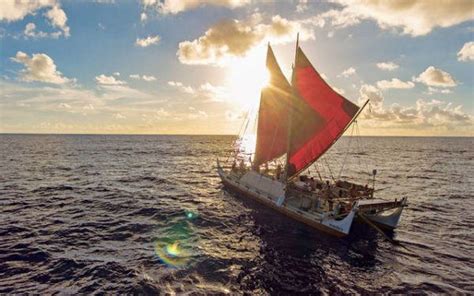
<point>175,249</point>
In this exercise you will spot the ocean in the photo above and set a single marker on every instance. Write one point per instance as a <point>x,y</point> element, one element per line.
<point>148,215</point>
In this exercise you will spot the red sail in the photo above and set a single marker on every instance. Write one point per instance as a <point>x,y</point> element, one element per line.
<point>318,118</point>
<point>272,129</point>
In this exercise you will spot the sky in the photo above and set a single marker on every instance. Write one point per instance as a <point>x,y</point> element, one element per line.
<point>197,67</point>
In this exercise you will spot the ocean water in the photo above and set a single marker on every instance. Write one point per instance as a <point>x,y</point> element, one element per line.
<point>148,215</point>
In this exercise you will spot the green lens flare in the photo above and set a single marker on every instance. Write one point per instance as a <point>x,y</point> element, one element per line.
<point>174,248</point>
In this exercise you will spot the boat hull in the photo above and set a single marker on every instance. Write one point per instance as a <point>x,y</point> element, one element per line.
<point>338,228</point>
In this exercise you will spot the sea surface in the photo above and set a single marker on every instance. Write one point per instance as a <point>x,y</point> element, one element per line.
<point>148,215</point>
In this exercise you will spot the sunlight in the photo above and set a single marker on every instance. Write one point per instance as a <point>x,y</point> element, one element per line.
<point>247,145</point>
<point>246,78</point>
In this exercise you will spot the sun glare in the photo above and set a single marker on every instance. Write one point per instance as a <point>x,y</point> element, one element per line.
<point>247,76</point>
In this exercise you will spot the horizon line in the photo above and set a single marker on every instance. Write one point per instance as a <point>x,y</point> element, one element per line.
<point>234,135</point>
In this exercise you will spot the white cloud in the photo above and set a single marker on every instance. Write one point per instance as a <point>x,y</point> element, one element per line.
<point>232,38</point>
<point>30,31</point>
<point>339,18</point>
<point>58,18</point>
<point>389,66</point>
<point>116,73</point>
<point>424,114</point>
<point>108,80</point>
<point>145,42</point>
<point>15,10</point>
<point>302,6</point>
<point>39,67</point>
<point>162,113</point>
<point>64,106</point>
<point>466,53</point>
<point>177,6</point>
<point>205,91</point>
<point>413,17</point>
<point>395,83</point>
<point>12,10</point>
<point>436,77</point>
<point>338,90</point>
<point>143,17</point>
<point>119,116</point>
<point>197,114</point>
<point>181,87</point>
<point>348,72</point>
<point>148,77</point>
<point>88,107</point>
<point>433,90</point>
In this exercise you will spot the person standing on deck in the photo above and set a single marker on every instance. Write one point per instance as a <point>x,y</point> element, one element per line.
<point>328,195</point>
<point>278,172</point>
<point>242,166</point>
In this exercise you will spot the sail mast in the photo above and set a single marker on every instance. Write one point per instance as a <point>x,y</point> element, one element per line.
<point>291,110</point>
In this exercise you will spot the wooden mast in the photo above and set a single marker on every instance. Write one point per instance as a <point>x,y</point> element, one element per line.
<point>291,111</point>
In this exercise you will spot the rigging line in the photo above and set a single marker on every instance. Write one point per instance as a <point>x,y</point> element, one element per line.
<point>319,174</point>
<point>330,171</point>
<point>365,162</point>
<point>241,133</point>
<point>335,140</point>
<point>234,143</point>
<point>395,242</point>
<point>347,151</point>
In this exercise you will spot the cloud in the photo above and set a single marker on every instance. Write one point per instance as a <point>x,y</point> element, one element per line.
<point>58,18</point>
<point>205,91</point>
<point>162,113</point>
<point>143,17</point>
<point>39,67</point>
<point>197,114</point>
<point>232,38</point>
<point>436,77</point>
<point>147,78</point>
<point>424,114</point>
<point>177,6</point>
<point>145,42</point>
<point>302,6</point>
<point>338,90</point>
<point>181,87</point>
<point>389,66</point>
<point>433,90</point>
<point>413,17</point>
<point>17,10</point>
<point>64,106</point>
<point>20,100</point>
<point>30,31</point>
<point>348,72</point>
<point>119,116</point>
<point>466,53</point>
<point>395,83</point>
<point>108,80</point>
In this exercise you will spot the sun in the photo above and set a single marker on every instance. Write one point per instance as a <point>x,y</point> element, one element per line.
<point>246,78</point>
